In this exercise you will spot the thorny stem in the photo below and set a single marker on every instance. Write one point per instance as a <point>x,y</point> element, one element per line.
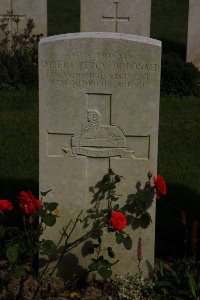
<point>69,246</point>
<point>115,262</point>
<point>37,291</point>
<point>83,238</point>
<point>59,242</point>
<point>66,243</point>
<point>31,254</point>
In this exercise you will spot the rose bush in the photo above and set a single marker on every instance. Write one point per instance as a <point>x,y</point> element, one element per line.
<point>28,203</point>
<point>104,215</point>
<point>20,244</point>
<point>5,205</point>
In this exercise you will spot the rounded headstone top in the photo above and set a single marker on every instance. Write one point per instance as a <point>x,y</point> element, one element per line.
<point>101,35</point>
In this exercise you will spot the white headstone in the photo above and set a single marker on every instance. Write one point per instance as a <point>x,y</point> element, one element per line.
<point>110,81</point>
<point>193,37</point>
<point>124,16</point>
<point>22,10</point>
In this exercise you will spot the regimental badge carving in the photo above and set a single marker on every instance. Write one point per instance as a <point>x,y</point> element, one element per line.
<point>97,140</point>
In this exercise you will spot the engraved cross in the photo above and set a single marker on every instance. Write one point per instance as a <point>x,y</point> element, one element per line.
<point>116,18</point>
<point>107,140</point>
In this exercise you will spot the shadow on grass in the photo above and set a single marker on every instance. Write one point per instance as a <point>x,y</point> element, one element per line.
<point>170,232</point>
<point>170,46</point>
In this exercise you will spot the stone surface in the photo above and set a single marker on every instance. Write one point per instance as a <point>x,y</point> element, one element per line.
<point>99,109</point>
<point>24,10</point>
<point>193,37</point>
<point>126,16</point>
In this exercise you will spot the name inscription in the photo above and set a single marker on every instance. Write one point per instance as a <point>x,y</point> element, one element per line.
<point>98,70</point>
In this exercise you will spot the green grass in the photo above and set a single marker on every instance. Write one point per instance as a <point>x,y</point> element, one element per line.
<point>178,162</point>
<point>179,136</point>
<point>19,140</point>
<point>169,24</point>
<point>63,16</point>
<point>169,20</point>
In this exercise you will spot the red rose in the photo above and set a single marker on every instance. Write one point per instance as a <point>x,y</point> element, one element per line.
<point>118,220</point>
<point>28,203</point>
<point>5,205</point>
<point>160,186</point>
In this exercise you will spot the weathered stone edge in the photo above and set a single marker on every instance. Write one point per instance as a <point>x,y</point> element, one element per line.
<point>103,35</point>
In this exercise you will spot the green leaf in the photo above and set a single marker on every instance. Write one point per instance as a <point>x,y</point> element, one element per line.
<point>49,244</point>
<point>164,284</point>
<point>96,233</point>
<point>119,237</point>
<point>105,272</point>
<point>20,272</point>
<point>99,214</point>
<point>2,231</point>
<point>174,274</point>
<point>49,219</point>
<point>192,284</point>
<point>94,216</point>
<point>48,248</point>
<point>182,293</point>
<point>129,219</point>
<point>52,206</point>
<point>128,243</point>
<point>94,266</point>
<point>22,248</point>
<point>7,276</point>
<point>104,263</point>
<point>116,207</point>
<point>110,252</point>
<point>42,262</point>
<point>43,194</point>
<point>113,198</point>
<point>12,253</point>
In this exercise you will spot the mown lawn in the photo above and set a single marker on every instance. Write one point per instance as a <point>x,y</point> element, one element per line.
<point>178,162</point>
<point>19,142</point>
<point>169,24</point>
<point>179,137</point>
<point>63,16</point>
